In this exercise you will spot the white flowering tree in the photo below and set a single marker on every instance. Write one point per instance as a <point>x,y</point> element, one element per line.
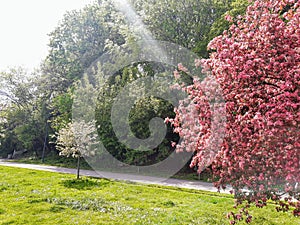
<point>77,139</point>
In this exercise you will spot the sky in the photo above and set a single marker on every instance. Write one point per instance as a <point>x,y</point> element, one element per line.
<point>24,29</point>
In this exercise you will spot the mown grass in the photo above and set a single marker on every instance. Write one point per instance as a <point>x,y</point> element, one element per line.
<point>36,197</point>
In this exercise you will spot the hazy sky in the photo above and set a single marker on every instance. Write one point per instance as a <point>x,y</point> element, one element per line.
<point>24,27</point>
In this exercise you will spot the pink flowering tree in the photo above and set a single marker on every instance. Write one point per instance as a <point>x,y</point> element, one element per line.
<point>256,64</point>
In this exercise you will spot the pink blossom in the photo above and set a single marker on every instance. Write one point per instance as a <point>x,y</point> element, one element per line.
<point>257,65</point>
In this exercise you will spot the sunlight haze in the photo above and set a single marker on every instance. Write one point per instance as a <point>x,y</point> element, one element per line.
<point>24,28</point>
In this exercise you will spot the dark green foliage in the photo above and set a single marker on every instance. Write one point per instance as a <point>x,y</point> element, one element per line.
<point>141,113</point>
<point>61,106</point>
<point>24,119</point>
<point>220,24</point>
<point>184,22</point>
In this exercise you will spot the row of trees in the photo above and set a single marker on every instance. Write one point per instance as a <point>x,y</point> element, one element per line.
<point>253,69</point>
<point>40,106</point>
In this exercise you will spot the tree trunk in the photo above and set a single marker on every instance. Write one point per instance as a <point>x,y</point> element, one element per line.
<point>45,143</point>
<point>78,166</point>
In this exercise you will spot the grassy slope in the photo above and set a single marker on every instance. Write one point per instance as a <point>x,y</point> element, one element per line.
<point>34,197</point>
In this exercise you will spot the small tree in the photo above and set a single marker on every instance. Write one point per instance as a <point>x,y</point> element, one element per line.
<point>77,139</point>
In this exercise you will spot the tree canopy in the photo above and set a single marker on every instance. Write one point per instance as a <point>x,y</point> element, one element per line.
<point>240,119</point>
<point>256,64</point>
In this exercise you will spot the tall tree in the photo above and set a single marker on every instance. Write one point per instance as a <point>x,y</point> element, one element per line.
<point>24,118</point>
<point>184,22</point>
<point>78,40</point>
<point>256,63</point>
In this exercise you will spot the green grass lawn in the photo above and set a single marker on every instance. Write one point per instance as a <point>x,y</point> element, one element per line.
<point>35,197</point>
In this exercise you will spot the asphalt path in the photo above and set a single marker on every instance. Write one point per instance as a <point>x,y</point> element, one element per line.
<point>197,185</point>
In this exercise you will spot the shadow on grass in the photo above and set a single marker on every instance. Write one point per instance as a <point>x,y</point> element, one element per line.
<point>85,184</point>
<point>56,209</point>
<point>2,211</point>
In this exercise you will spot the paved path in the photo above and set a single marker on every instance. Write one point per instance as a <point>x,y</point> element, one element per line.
<point>198,185</point>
